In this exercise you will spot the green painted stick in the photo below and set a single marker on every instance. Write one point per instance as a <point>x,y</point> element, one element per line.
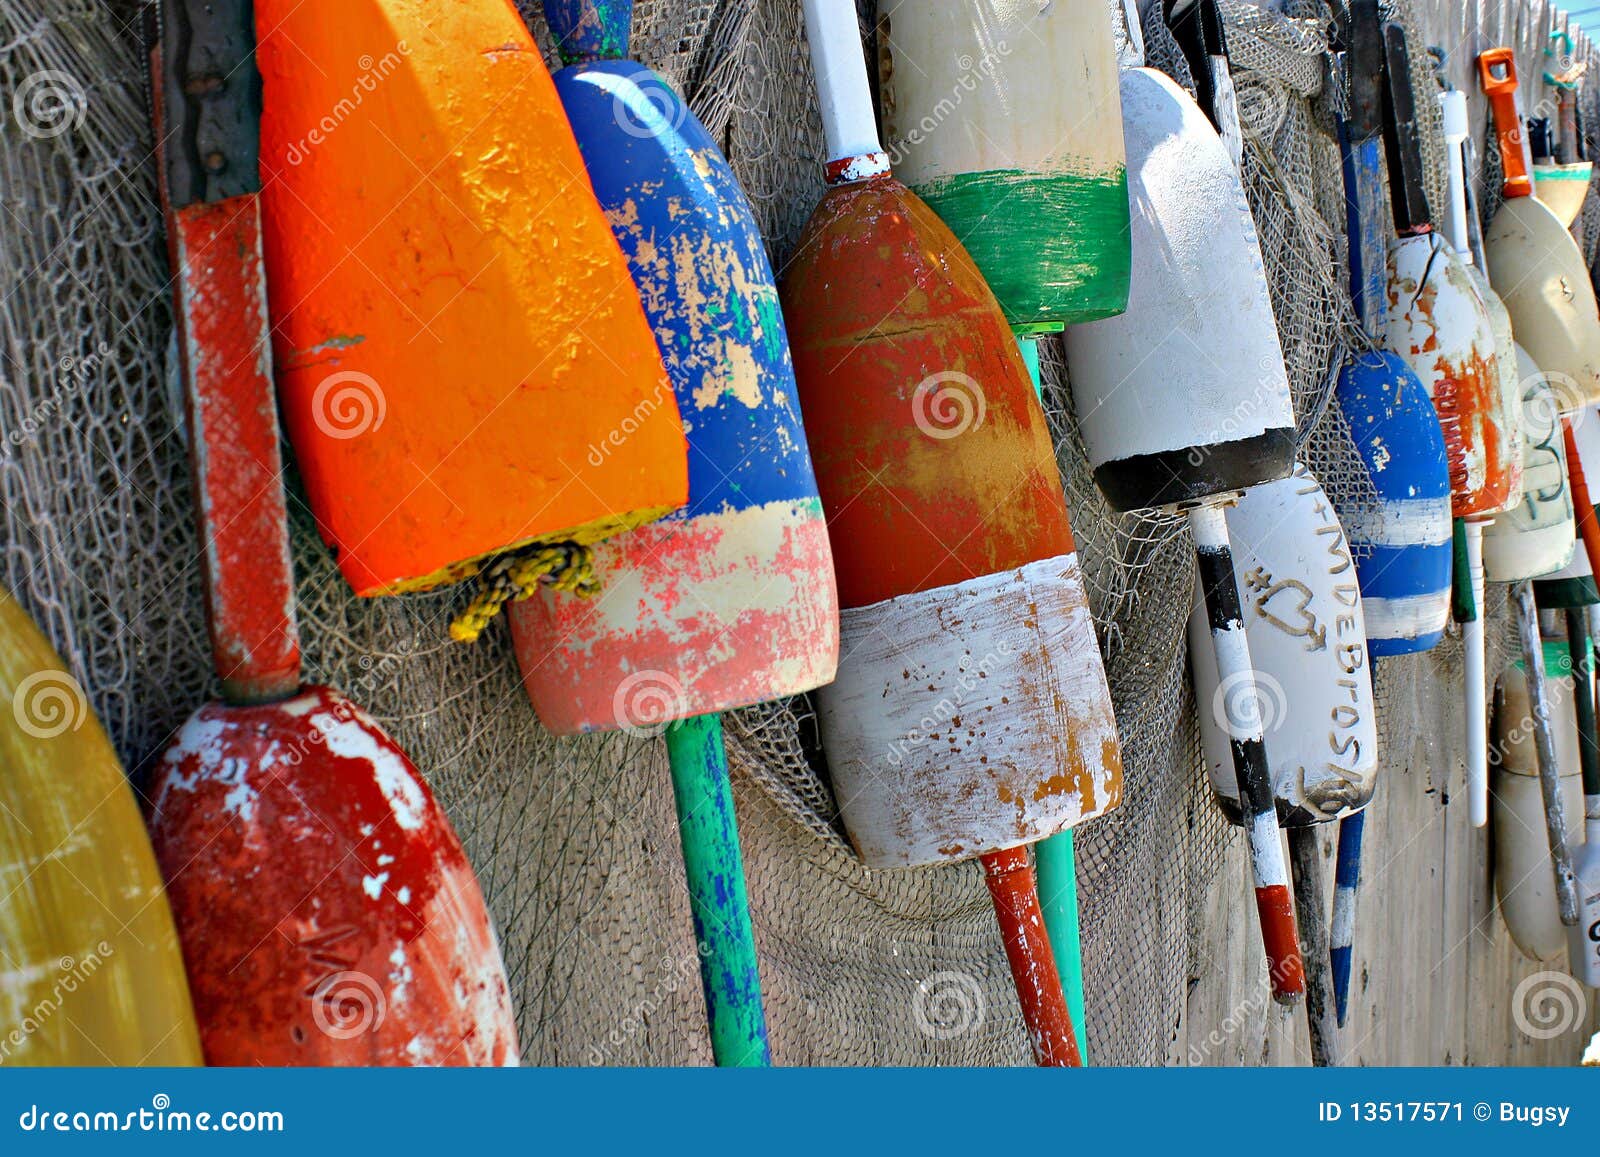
<point>1056,859</point>
<point>715,872</point>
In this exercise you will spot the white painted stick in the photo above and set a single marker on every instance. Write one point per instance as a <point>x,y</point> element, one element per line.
<point>1472,638</point>
<point>1453,105</point>
<point>841,72</point>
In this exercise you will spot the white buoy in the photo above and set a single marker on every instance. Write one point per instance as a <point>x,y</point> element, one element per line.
<point>1522,881</point>
<point>1536,537</point>
<point>1303,616</point>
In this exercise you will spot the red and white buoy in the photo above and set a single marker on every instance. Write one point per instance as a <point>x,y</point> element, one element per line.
<point>327,912</point>
<point>970,717</point>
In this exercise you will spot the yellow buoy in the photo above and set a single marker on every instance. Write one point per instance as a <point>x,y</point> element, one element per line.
<point>90,972</point>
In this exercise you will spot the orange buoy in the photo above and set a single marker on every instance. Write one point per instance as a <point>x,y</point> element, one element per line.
<point>464,366</point>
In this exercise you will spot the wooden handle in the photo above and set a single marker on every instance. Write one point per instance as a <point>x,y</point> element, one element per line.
<point>1402,137</point>
<point>1588,525</point>
<point>1544,744</point>
<point>1257,800</point>
<point>1015,892</point>
<point>1497,69</point>
<point>220,308</point>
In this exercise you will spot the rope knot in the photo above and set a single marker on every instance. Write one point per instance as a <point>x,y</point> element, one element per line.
<point>566,566</point>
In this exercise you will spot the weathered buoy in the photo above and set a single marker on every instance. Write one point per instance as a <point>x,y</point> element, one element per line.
<point>1027,167</point>
<point>1399,532</point>
<point>730,601</point>
<point>1036,188</point>
<point>1304,619</point>
<point>1563,188</point>
<point>1535,263</point>
<point>1438,322</point>
<point>463,362</point>
<point>92,972</point>
<point>1166,428</point>
<point>1536,536</point>
<point>1523,885</point>
<point>970,716</point>
<point>326,910</point>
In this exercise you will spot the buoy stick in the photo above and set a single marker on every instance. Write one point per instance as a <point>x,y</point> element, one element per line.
<point>1346,891</point>
<point>1588,525</point>
<point>1014,890</point>
<point>1243,711</point>
<point>1473,642</point>
<point>224,345</point>
<point>1305,857</point>
<point>1583,699</point>
<point>1361,135</point>
<point>1057,859</point>
<point>1544,743</point>
<point>714,867</point>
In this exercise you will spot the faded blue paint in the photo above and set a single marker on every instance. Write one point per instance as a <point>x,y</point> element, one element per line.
<point>705,281</point>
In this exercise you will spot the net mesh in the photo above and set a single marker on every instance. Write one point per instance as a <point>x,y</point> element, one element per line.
<point>575,840</point>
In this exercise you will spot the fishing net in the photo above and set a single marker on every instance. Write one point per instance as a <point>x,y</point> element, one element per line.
<point>575,840</point>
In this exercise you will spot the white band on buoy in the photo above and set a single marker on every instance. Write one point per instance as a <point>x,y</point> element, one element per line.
<point>970,718</point>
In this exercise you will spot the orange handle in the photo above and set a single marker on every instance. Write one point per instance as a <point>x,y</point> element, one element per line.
<point>1014,889</point>
<point>1497,69</point>
<point>1588,526</point>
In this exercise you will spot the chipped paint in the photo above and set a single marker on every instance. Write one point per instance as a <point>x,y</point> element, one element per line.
<point>733,596</point>
<point>970,718</point>
<point>736,607</point>
<point>275,955</point>
<point>221,303</point>
<point>1438,322</point>
<point>985,500</point>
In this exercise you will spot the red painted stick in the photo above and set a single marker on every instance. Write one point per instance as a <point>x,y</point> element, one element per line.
<point>1588,527</point>
<point>1015,892</point>
<point>235,465</point>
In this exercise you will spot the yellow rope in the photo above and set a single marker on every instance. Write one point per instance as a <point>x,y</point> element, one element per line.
<point>564,566</point>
